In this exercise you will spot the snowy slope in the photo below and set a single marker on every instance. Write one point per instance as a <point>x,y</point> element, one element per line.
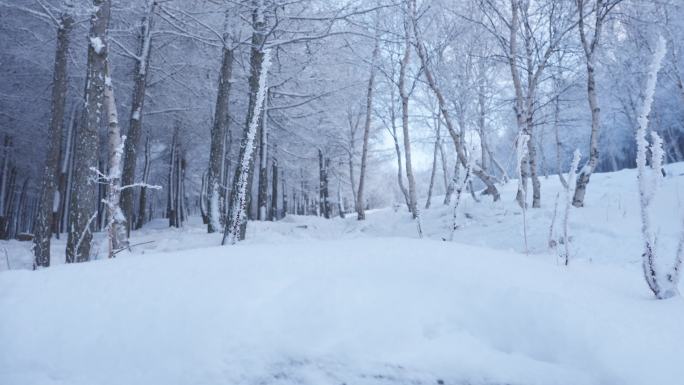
<point>310,301</point>
<point>331,312</point>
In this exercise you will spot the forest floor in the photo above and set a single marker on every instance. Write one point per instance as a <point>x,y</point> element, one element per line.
<point>312,301</point>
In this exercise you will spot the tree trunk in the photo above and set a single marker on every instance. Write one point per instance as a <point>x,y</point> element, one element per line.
<point>142,207</point>
<point>274,189</point>
<point>218,133</point>
<point>434,165</point>
<point>262,194</point>
<point>49,195</point>
<point>240,195</point>
<point>171,191</point>
<point>235,230</point>
<point>361,214</point>
<point>132,142</point>
<point>397,149</point>
<point>559,148</point>
<point>323,165</point>
<point>68,173</point>
<point>86,148</point>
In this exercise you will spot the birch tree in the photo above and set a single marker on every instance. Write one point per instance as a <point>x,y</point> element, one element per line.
<point>590,43</point>
<point>116,225</point>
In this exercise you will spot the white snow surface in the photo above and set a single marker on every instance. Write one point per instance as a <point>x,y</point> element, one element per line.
<point>314,301</point>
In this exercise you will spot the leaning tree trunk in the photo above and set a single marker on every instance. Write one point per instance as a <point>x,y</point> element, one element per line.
<point>49,194</point>
<point>244,171</point>
<point>218,133</point>
<point>84,199</point>
<point>360,210</point>
<point>237,223</point>
<point>135,126</point>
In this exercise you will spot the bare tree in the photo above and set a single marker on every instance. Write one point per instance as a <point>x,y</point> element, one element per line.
<point>432,83</point>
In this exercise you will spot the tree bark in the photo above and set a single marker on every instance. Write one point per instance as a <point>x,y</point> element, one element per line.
<point>49,195</point>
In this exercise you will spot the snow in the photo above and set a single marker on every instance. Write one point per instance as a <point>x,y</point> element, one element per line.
<point>312,301</point>
<point>97,44</point>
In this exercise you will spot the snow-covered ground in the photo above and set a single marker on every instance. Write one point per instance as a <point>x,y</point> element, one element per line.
<point>313,301</point>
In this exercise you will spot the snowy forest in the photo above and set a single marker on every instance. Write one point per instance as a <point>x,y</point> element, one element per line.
<point>341,192</point>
